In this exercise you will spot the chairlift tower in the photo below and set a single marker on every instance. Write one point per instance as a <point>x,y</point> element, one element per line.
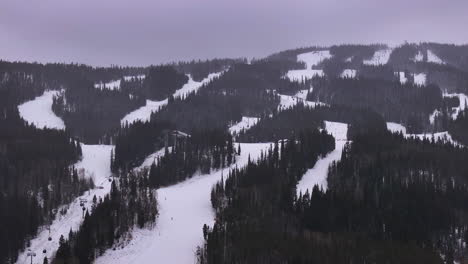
<point>32,255</point>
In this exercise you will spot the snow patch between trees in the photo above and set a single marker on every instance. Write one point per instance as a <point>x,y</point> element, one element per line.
<point>38,112</point>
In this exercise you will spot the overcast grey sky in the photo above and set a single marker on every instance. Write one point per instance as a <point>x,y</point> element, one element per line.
<point>142,32</point>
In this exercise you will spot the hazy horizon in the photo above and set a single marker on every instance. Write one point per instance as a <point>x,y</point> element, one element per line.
<point>144,32</point>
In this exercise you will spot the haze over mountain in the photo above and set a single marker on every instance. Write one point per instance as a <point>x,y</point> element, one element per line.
<point>144,32</point>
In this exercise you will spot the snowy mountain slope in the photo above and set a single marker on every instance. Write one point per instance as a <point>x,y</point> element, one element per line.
<point>184,209</point>
<point>96,165</point>
<point>380,57</point>
<point>244,124</point>
<point>318,174</point>
<point>432,57</point>
<point>39,112</point>
<point>311,59</point>
<point>144,113</point>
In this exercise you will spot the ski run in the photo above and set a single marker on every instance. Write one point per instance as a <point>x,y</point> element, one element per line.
<point>438,136</point>
<point>183,210</point>
<point>39,112</point>
<point>380,57</point>
<point>144,113</point>
<point>318,174</point>
<point>95,164</point>
<point>244,124</point>
<point>311,59</point>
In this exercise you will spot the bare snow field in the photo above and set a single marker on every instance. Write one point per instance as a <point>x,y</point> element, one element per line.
<point>39,112</point>
<point>183,210</point>
<point>244,124</point>
<point>380,57</point>
<point>144,113</point>
<point>96,165</point>
<point>318,174</point>
<point>311,59</point>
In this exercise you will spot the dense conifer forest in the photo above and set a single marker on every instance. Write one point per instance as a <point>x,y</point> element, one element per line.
<point>36,177</point>
<point>130,204</point>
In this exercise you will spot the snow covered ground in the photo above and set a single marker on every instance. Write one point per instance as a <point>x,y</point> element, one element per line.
<point>433,116</point>
<point>96,165</point>
<point>380,57</point>
<point>183,210</point>
<point>193,86</point>
<point>349,73</point>
<point>318,174</point>
<point>402,76</point>
<point>39,111</point>
<point>420,79</point>
<point>115,84</point>
<point>244,124</point>
<point>152,158</point>
<point>288,101</point>
<point>112,85</point>
<point>144,113</point>
<point>432,57</point>
<point>395,128</point>
<point>418,57</point>
<point>463,98</point>
<point>137,77</point>
<point>311,59</point>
